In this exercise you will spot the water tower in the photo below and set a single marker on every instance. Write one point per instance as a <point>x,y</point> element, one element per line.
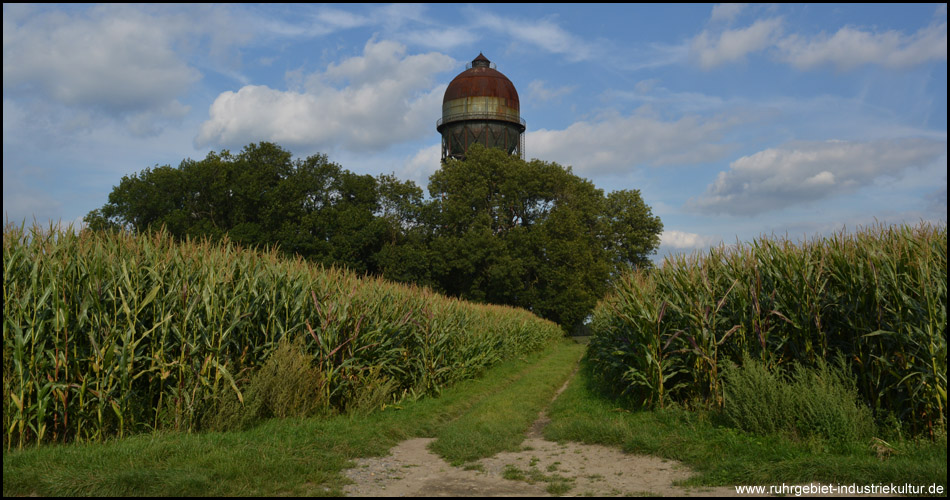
<point>481,105</point>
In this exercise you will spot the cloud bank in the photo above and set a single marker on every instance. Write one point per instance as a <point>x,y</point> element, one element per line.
<point>116,61</point>
<point>846,49</point>
<point>782,177</point>
<point>367,102</point>
<point>616,143</point>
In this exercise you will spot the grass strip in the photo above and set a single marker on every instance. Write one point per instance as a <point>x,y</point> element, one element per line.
<point>278,457</point>
<point>499,422</point>
<point>724,456</point>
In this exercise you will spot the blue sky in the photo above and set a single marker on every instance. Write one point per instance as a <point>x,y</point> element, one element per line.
<point>734,121</point>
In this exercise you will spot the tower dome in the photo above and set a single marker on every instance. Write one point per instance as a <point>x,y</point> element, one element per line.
<point>481,105</point>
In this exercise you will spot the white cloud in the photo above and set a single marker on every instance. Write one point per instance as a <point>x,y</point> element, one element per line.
<point>542,33</point>
<point>733,45</point>
<point>540,92</point>
<point>440,38</point>
<point>367,102</point>
<point>384,63</point>
<point>153,122</point>
<point>848,48</point>
<point>777,178</point>
<point>22,201</point>
<point>646,86</point>
<point>423,164</point>
<point>308,23</point>
<point>79,70</point>
<point>395,16</point>
<point>337,19</point>
<point>116,60</point>
<point>391,21</point>
<point>618,143</point>
<point>726,12</point>
<point>680,240</point>
<point>851,47</point>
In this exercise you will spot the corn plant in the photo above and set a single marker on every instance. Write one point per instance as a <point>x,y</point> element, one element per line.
<point>878,297</point>
<point>107,334</point>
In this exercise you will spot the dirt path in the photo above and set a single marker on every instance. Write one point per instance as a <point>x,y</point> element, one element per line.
<point>568,469</point>
<point>541,468</point>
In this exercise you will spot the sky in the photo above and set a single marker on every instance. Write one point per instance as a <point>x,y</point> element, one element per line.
<point>734,121</point>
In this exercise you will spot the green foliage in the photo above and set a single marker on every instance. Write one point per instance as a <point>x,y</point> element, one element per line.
<point>817,402</point>
<point>496,229</point>
<point>722,455</point>
<point>278,457</point>
<point>533,234</point>
<point>633,232</point>
<point>757,399</point>
<point>828,404</point>
<point>371,391</point>
<point>513,473</point>
<point>112,333</point>
<point>262,197</point>
<point>499,422</point>
<point>877,297</point>
<point>287,385</point>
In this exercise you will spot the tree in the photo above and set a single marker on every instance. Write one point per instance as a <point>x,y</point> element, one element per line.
<point>474,211</point>
<point>261,196</point>
<point>533,234</point>
<point>632,231</point>
<point>141,200</point>
<point>574,264</point>
<point>495,228</point>
<point>404,254</point>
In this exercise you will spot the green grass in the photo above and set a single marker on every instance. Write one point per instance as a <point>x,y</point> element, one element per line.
<point>298,457</point>
<point>278,457</point>
<point>725,456</point>
<point>557,484</point>
<point>499,422</point>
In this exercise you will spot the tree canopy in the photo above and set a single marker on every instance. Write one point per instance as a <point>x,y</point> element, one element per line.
<point>533,234</point>
<point>495,228</point>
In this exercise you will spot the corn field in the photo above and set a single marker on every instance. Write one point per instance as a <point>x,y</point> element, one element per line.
<point>878,296</point>
<point>107,334</point>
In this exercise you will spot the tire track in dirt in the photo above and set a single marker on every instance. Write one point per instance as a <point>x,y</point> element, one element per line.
<point>544,467</point>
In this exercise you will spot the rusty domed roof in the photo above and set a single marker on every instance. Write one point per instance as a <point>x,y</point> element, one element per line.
<point>481,80</point>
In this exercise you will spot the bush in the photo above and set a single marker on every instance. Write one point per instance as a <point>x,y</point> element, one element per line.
<point>288,385</point>
<point>756,399</point>
<point>811,402</point>
<point>827,404</point>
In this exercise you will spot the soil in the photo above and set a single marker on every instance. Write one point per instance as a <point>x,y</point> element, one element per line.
<point>568,469</point>
<point>413,470</point>
<point>547,469</point>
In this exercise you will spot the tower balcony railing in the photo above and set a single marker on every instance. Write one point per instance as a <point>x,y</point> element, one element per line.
<point>491,65</point>
<point>479,116</point>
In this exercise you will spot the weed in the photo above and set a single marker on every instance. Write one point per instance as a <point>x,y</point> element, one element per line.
<point>513,473</point>
<point>810,402</point>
